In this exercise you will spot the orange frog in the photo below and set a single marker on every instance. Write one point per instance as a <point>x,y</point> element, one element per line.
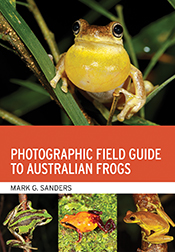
<point>87,221</point>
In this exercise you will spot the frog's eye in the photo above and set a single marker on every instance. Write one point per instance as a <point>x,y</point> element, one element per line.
<point>76,27</point>
<point>132,218</point>
<point>117,30</point>
<point>17,230</point>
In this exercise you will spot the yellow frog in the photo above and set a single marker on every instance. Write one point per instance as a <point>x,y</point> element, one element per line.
<point>98,64</point>
<point>158,223</point>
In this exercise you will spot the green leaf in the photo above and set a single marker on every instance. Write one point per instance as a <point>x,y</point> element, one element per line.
<point>31,85</point>
<point>172,2</point>
<point>28,37</point>
<point>169,42</point>
<point>23,101</point>
<point>43,60</point>
<point>13,2</point>
<point>97,7</point>
<point>159,88</point>
<point>72,109</point>
<point>151,37</point>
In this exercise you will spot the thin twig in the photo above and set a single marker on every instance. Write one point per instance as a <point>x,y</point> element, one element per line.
<point>48,35</point>
<point>127,36</point>
<point>143,200</point>
<point>168,42</point>
<point>159,88</point>
<point>1,237</point>
<point>12,118</point>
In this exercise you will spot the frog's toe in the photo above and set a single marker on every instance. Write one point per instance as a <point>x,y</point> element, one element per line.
<point>129,115</point>
<point>120,118</point>
<point>53,83</point>
<point>124,113</point>
<point>64,86</point>
<point>55,79</point>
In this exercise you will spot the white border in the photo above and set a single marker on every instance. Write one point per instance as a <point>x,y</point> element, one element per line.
<point>87,187</point>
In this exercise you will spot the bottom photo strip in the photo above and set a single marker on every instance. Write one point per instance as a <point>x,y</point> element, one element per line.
<point>87,222</point>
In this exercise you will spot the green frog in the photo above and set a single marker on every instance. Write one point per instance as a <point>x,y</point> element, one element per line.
<point>23,222</point>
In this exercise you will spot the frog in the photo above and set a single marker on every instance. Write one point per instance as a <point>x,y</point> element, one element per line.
<point>155,224</point>
<point>98,65</point>
<point>87,221</point>
<point>22,223</point>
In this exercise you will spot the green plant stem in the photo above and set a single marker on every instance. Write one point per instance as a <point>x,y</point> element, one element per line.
<point>92,15</point>
<point>159,88</point>
<point>48,35</point>
<point>12,118</point>
<point>169,42</point>
<point>23,4</point>
<point>97,7</point>
<point>172,2</point>
<point>127,36</point>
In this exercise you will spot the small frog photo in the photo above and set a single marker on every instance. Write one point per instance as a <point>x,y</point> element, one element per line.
<point>88,222</point>
<point>31,224</point>
<point>155,219</point>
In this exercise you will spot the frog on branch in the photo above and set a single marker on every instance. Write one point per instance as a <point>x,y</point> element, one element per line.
<point>22,223</point>
<point>98,64</point>
<point>155,225</point>
<point>87,221</point>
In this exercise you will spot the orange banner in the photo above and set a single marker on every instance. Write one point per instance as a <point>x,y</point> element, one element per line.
<point>87,154</point>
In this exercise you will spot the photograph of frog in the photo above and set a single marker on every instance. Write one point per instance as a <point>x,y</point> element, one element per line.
<point>102,50</point>
<point>87,222</point>
<point>34,228</point>
<point>155,218</point>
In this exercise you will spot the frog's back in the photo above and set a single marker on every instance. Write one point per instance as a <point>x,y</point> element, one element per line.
<point>82,221</point>
<point>152,221</point>
<point>25,217</point>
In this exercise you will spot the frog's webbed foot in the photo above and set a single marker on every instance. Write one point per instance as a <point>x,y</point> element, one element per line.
<point>110,226</point>
<point>149,87</point>
<point>27,247</point>
<point>133,103</point>
<point>19,244</point>
<point>54,81</point>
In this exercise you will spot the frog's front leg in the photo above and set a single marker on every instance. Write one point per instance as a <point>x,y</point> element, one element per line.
<point>60,74</point>
<point>80,234</point>
<point>133,102</point>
